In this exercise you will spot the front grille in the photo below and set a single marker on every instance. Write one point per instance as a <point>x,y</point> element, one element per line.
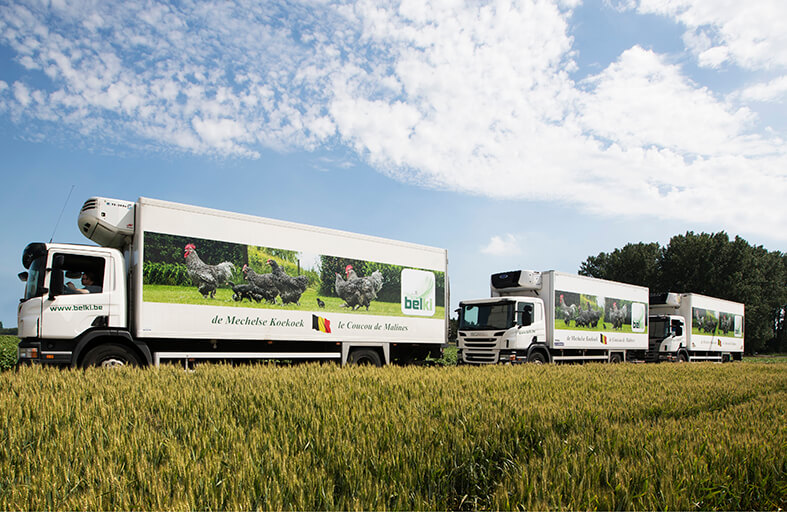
<point>652,355</point>
<point>90,204</point>
<point>485,357</point>
<point>480,350</point>
<point>480,343</point>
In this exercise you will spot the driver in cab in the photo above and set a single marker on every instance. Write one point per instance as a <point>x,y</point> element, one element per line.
<point>89,281</point>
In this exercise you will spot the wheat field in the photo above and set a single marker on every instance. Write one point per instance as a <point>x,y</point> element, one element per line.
<point>322,437</point>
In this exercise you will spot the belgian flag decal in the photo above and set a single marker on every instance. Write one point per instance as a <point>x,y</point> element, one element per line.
<point>604,339</point>
<point>321,324</point>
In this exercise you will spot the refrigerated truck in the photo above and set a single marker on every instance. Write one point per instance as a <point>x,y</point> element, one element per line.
<point>693,327</point>
<point>554,317</point>
<point>128,317</point>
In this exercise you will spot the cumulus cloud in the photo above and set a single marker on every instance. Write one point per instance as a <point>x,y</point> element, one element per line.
<point>750,34</point>
<point>507,244</point>
<point>627,104</point>
<point>474,97</point>
<point>770,91</point>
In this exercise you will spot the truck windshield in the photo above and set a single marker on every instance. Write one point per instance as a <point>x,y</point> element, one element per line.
<point>34,286</point>
<point>478,317</point>
<point>659,328</point>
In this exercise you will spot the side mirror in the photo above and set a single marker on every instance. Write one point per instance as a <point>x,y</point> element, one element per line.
<point>23,276</point>
<point>57,262</point>
<point>55,284</point>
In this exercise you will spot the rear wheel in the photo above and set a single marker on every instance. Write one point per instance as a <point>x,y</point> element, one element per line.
<point>616,358</point>
<point>365,357</point>
<point>110,355</point>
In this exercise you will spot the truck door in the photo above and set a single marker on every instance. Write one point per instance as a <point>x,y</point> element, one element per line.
<point>676,329</point>
<point>530,320</point>
<point>78,297</point>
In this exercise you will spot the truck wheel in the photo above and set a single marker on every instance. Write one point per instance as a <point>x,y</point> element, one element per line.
<point>364,357</point>
<point>110,355</point>
<point>537,358</point>
<point>616,358</point>
<point>683,357</point>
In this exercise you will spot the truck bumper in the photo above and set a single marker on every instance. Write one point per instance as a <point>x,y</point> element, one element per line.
<point>29,352</point>
<point>513,356</point>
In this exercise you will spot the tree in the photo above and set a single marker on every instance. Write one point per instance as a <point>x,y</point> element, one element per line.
<point>708,264</point>
<point>634,264</point>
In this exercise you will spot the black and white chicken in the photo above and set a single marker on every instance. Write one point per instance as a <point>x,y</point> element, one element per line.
<point>290,288</point>
<point>358,291</point>
<point>265,284</point>
<point>206,277</point>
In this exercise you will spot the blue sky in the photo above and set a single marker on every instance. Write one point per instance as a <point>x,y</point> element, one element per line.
<point>526,134</point>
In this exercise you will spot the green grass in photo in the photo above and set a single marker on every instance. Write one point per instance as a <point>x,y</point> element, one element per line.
<point>308,301</point>
<point>601,326</point>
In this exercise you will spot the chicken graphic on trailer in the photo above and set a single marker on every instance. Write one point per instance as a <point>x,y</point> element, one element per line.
<point>133,321</point>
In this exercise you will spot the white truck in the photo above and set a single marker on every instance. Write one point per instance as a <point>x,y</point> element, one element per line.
<point>171,281</point>
<point>550,316</point>
<point>692,327</point>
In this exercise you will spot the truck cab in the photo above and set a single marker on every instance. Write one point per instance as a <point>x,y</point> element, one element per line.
<point>72,292</point>
<point>506,329</point>
<point>667,338</point>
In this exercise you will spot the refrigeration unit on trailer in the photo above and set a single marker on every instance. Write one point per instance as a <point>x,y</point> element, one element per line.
<point>551,316</point>
<point>177,282</point>
<point>692,327</point>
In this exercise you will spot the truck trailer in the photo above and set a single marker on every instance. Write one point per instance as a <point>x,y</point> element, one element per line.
<point>692,327</point>
<point>554,317</point>
<point>171,281</point>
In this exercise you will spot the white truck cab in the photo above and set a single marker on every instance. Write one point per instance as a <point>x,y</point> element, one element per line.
<point>502,329</point>
<point>668,338</point>
<point>70,290</point>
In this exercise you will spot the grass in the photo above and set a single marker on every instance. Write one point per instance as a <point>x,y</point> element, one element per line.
<point>308,301</point>
<point>8,346</point>
<point>766,358</point>
<point>601,326</point>
<point>310,437</point>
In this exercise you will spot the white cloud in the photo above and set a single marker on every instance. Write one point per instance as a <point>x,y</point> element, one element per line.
<point>22,94</point>
<point>475,97</point>
<point>627,105</point>
<point>773,90</point>
<point>750,34</point>
<point>502,245</point>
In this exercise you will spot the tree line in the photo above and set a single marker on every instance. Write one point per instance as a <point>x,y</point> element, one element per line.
<point>709,264</point>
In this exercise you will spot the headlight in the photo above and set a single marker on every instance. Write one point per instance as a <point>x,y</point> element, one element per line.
<point>27,353</point>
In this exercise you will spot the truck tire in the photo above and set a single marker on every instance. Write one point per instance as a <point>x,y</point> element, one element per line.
<point>616,358</point>
<point>536,357</point>
<point>110,355</point>
<point>683,357</point>
<point>364,357</point>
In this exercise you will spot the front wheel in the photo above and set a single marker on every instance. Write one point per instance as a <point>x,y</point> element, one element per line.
<point>365,357</point>
<point>537,358</point>
<point>110,355</point>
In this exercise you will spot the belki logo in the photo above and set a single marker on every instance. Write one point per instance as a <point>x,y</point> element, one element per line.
<point>418,292</point>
